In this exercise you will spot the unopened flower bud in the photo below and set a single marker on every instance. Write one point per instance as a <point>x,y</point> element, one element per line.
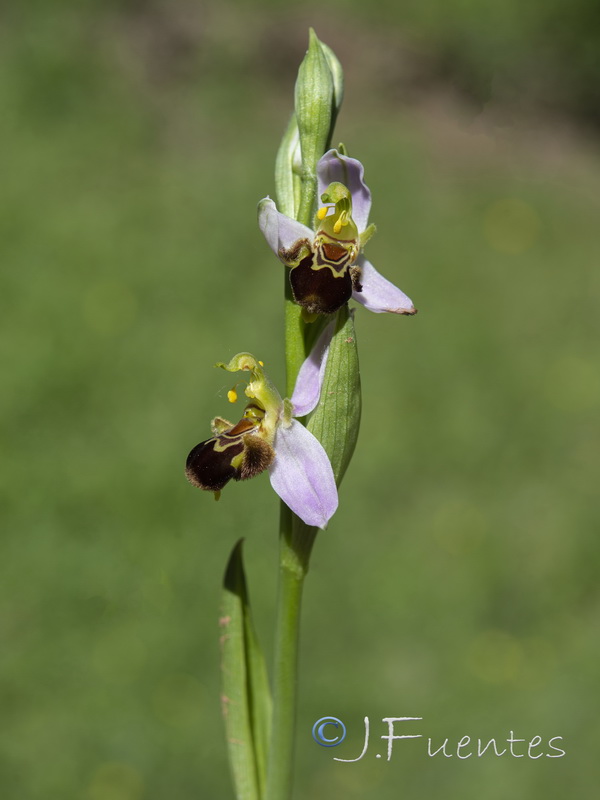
<point>315,105</point>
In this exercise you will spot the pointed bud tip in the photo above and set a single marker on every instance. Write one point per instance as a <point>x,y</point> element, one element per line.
<point>314,103</point>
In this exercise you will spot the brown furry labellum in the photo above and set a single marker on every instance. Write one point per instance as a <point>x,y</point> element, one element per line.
<point>238,452</point>
<point>323,281</point>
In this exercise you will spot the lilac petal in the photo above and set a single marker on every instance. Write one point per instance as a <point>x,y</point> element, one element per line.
<point>335,167</point>
<point>379,295</point>
<point>310,377</point>
<point>279,230</point>
<point>301,475</point>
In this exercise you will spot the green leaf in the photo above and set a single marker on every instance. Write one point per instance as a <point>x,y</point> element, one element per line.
<point>245,690</point>
<point>336,420</point>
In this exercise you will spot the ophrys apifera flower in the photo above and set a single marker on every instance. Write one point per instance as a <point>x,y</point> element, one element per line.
<point>327,267</point>
<point>268,437</point>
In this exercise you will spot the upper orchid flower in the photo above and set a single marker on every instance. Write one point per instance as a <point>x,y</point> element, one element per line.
<point>327,267</point>
<point>267,437</point>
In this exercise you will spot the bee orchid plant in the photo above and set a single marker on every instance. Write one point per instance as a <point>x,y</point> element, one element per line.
<point>318,229</point>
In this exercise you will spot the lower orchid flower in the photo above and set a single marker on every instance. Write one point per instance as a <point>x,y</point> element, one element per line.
<point>268,437</point>
<point>327,267</point>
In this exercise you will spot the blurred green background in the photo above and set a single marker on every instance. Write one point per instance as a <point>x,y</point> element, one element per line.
<point>459,580</point>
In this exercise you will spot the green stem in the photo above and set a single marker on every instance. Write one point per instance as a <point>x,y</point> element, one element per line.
<point>307,195</point>
<point>296,541</point>
<point>295,538</point>
<point>295,545</point>
<point>294,336</point>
